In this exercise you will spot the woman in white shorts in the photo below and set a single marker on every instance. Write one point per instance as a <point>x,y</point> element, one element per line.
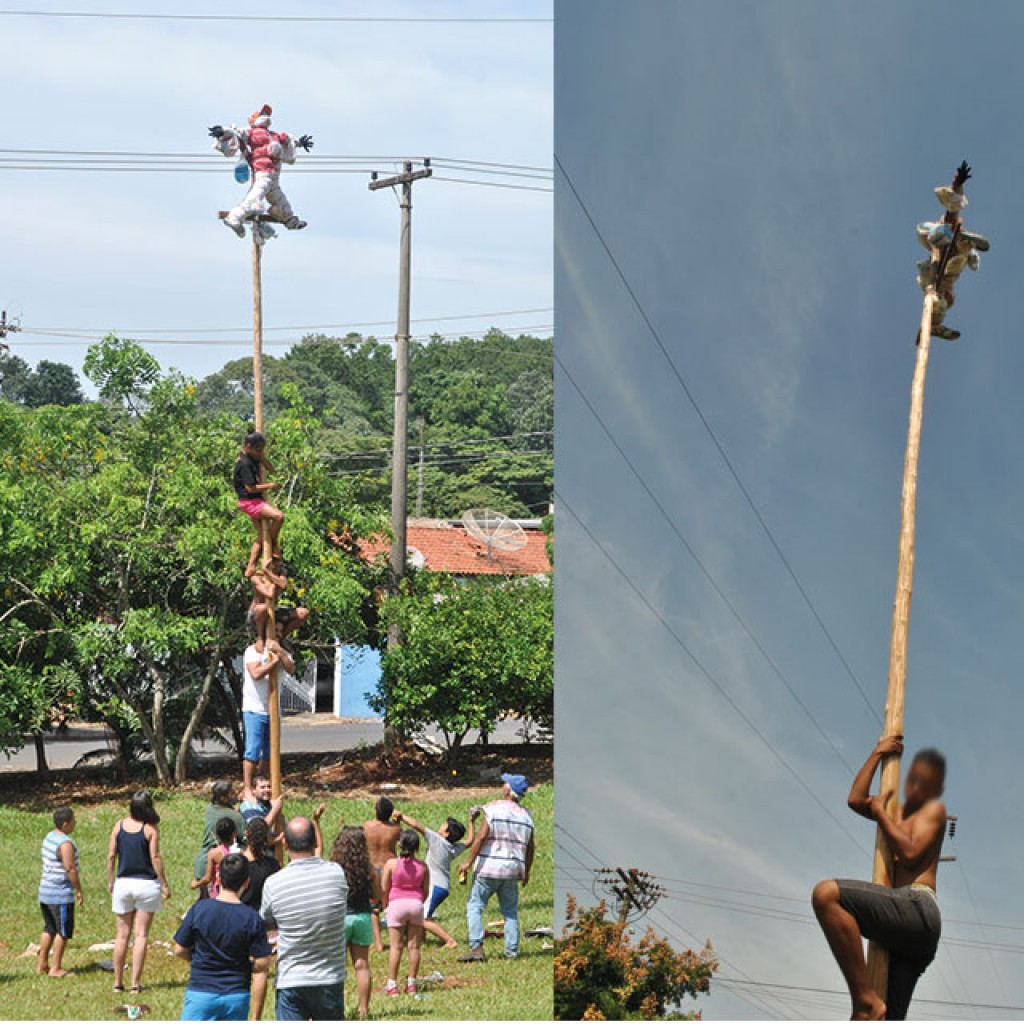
<point>139,886</point>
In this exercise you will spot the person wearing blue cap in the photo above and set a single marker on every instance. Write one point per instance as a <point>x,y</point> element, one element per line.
<point>501,858</point>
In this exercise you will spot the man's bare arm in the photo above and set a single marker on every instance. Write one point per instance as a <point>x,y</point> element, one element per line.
<point>467,865</point>
<point>260,969</point>
<point>910,845</point>
<point>859,800</point>
<point>259,669</point>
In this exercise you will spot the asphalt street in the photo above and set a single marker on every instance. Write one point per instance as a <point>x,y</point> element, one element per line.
<point>306,733</point>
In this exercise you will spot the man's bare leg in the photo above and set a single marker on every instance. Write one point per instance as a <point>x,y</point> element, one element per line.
<point>846,943</point>
<point>254,558</point>
<point>45,942</point>
<point>248,774</point>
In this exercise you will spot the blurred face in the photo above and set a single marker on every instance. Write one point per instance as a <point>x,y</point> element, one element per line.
<point>262,789</point>
<point>70,826</point>
<point>924,783</point>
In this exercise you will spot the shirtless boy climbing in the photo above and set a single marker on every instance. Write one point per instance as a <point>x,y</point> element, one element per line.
<point>905,919</point>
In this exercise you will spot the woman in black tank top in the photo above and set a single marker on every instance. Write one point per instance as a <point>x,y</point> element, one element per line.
<point>138,886</point>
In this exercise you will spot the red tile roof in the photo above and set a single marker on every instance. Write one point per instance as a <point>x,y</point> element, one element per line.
<point>446,547</point>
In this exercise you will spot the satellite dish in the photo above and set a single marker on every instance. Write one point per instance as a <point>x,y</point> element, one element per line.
<point>495,530</point>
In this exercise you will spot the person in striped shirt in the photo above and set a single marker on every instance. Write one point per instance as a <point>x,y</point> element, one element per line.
<point>60,889</point>
<point>501,857</point>
<point>306,902</point>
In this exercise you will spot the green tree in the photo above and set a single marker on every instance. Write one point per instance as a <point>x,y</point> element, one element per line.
<point>471,653</point>
<point>15,375</point>
<point>122,370</point>
<point>121,547</point>
<point>53,384</point>
<point>602,974</point>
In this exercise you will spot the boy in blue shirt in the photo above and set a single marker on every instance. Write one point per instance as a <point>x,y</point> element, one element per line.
<point>60,889</point>
<point>226,943</point>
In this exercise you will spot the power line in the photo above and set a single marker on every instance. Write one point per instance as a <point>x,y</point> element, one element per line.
<point>439,444</point>
<point>697,943</point>
<point>836,992</point>
<point>494,184</point>
<point>691,398</point>
<point>297,18</point>
<point>214,158</point>
<point>75,338</point>
<point>302,327</point>
<point>703,568</point>
<point>706,673</point>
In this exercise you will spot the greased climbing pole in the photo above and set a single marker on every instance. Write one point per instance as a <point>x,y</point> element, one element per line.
<point>950,249</point>
<point>267,553</point>
<point>259,154</point>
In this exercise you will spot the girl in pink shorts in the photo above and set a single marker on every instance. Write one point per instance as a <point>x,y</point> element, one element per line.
<point>406,885</point>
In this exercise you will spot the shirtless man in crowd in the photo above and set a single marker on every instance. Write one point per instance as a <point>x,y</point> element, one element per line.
<point>905,919</point>
<point>382,833</point>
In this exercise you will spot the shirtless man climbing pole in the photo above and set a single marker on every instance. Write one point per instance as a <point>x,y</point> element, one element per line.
<point>905,919</point>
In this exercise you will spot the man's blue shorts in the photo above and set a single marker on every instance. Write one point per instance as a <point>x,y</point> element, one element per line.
<point>257,736</point>
<point>215,1005</point>
<point>58,919</point>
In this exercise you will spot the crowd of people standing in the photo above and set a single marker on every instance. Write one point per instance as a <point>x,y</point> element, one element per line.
<point>318,912</point>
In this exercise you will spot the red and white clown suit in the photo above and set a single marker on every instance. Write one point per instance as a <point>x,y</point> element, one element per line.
<point>264,151</point>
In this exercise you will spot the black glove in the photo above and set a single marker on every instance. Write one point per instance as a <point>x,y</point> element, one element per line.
<point>963,172</point>
<point>216,131</point>
<point>304,142</point>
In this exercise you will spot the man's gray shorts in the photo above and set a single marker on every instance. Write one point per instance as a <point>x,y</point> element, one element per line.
<point>906,922</point>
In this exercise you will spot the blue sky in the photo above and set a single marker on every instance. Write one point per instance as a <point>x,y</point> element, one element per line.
<point>757,171</point>
<point>85,253</point>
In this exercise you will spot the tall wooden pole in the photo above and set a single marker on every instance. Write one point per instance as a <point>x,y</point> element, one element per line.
<point>878,958</point>
<point>400,436</point>
<point>257,375</point>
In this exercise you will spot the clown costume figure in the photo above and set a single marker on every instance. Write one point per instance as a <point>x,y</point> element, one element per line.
<point>262,151</point>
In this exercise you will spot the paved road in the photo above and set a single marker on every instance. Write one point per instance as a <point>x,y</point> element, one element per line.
<point>306,733</point>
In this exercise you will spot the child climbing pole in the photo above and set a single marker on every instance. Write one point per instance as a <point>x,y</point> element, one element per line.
<point>251,491</point>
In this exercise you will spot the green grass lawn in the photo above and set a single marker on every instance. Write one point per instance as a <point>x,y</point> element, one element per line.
<point>497,989</point>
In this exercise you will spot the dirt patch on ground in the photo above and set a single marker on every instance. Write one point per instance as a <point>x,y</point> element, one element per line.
<point>362,773</point>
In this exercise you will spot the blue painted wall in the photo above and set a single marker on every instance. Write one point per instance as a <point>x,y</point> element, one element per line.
<point>356,674</point>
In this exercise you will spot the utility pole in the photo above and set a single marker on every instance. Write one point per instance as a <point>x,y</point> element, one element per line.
<point>950,250</point>
<point>634,892</point>
<point>400,443</point>
<point>6,327</point>
<point>419,476</point>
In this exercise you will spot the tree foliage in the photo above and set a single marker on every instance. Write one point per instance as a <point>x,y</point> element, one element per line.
<point>486,407</point>
<point>48,384</point>
<point>121,556</point>
<point>602,974</point>
<point>470,654</point>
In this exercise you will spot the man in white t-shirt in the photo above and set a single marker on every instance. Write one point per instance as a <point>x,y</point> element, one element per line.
<point>258,662</point>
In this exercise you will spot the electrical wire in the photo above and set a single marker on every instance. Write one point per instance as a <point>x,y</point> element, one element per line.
<point>294,18</point>
<point>133,331</point>
<point>719,447</point>
<point>74,338</point>
<point>709,676</point>
<point>673,526</point>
